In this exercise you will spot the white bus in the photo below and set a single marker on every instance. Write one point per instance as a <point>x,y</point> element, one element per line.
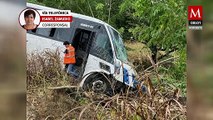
<point>101,57</point>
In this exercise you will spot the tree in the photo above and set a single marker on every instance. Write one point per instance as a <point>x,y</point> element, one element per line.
<point>160,24</point>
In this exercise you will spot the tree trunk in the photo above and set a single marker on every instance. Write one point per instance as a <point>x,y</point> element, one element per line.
<point>154,50</point>
<point>110,7</point>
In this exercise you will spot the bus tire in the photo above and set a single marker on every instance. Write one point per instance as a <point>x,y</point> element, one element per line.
<point>98,83</point>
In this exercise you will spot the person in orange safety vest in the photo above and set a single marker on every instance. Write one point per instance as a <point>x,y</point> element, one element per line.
<point>69,58</point>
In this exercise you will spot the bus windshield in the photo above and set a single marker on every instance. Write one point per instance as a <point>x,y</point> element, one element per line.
<point>117,41</point>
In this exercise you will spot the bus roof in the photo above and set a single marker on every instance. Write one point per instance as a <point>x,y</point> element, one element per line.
<point>40,7</point>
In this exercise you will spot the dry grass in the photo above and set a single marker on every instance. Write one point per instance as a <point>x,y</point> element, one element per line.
<point>44,70</point>
<point>137,54</point>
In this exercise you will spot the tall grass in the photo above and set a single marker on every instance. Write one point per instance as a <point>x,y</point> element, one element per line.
<point>44,70</point>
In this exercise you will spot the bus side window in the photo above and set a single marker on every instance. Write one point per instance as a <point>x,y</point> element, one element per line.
<point>63,34</point>
<point>47,32</point>
<point>44,31</point>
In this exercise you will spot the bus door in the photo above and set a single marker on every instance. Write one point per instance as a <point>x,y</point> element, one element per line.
<point>81,42</point>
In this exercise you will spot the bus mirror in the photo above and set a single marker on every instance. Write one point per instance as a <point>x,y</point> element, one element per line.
<point>117,63</point>
<point>117,66</point>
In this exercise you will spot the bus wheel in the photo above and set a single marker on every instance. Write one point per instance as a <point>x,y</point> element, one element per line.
<point>98,84</point>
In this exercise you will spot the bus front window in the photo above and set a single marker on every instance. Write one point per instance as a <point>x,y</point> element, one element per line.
<point>118,45</point>
<point>101,47</point>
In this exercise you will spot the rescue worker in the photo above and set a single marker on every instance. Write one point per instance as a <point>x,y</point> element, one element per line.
<point>69,58</point>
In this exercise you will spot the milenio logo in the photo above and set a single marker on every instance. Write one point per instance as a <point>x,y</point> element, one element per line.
<point>195,14</point>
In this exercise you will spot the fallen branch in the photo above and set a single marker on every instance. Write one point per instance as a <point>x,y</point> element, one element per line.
<point>62,87</point>
<point>158,63</point>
